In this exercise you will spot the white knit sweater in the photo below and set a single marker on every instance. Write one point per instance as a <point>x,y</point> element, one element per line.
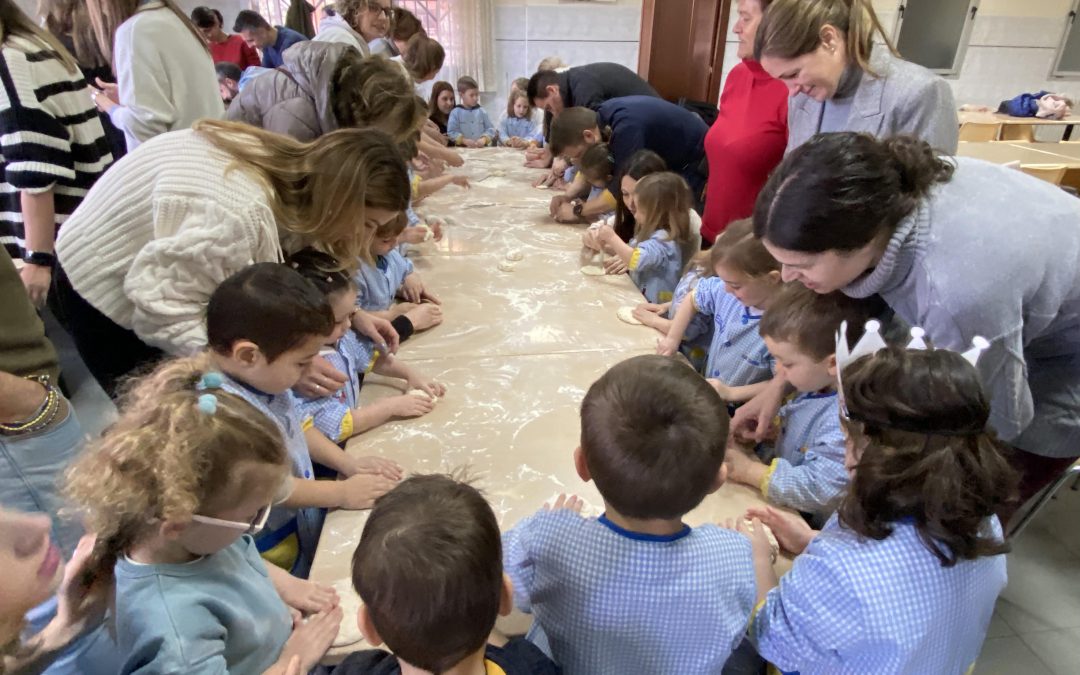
<point>159,231</point>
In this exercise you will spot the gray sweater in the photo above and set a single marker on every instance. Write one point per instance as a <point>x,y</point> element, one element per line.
<point>905,99</point>
<point>996,253</point>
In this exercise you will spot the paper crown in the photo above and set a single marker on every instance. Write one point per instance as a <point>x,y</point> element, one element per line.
<point>871,342</point>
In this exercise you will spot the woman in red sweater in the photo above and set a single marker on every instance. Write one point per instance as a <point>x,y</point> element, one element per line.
<point>223,47</point>
<point>748,138</point>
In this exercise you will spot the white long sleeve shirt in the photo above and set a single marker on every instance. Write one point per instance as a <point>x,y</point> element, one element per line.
<point>165,76</point>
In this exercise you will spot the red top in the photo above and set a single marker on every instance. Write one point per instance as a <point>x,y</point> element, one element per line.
<point>234,50</point>
<point>744,145</point>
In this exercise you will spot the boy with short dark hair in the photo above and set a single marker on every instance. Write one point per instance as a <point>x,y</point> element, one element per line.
<point>272,40</point>
<point>805,468</point>
<point>429,571</point>
<point>637,590</point>
<point>469,125</point>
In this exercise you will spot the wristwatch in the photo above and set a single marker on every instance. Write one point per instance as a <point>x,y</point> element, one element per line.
<point>579,207</point>
<point>39,258</point>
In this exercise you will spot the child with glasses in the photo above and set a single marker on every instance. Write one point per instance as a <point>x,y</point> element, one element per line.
<point>174,490</point>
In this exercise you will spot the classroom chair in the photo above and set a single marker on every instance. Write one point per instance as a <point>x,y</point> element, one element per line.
<point>1044,497</point>
<point>1051,173</point>
<point>1017,132</point>
<point>980,131</point>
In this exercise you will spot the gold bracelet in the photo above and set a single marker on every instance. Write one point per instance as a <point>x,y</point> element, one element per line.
<point>44,414</point>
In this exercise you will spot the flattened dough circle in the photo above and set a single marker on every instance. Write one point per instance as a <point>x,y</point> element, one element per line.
<point>593,271</point>
<point>421,393</point>
<point>506,266</point>
<point>349,634</point>
<point>626,314</point>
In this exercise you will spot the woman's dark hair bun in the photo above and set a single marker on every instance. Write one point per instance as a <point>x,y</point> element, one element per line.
<point>918,164</point>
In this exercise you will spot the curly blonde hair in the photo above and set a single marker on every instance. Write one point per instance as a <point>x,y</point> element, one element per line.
<point>165,458</point>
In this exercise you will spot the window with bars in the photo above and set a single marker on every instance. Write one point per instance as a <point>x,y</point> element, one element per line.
<point>434,15</point>
<point>274,11</point>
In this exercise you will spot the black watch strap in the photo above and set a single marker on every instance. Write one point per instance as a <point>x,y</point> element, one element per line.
<point>579,207</point>
<point>39,258</point>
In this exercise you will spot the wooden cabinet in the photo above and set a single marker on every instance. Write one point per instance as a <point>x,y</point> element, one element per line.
<point>682,47</point>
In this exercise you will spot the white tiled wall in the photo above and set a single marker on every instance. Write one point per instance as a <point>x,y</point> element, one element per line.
<point>527,31</point>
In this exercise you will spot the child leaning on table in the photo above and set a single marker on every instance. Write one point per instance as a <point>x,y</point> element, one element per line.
<point>746,282</point>
<point>904,578</point>
<point>698,334</point>
<point>174,490</point>
<point>469,124</point>
<point>517,129</point>
<point>429,571</point>
<point>338,417</point>
<point>661,245</point>
<point>637,590</point>
<point>387,274</point>
<point>804,467</point>
<point>264,326</point>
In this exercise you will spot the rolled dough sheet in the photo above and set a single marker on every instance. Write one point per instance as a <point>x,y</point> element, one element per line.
<point>593,271</point>
<point>350,608</point>
<point>627,314</point>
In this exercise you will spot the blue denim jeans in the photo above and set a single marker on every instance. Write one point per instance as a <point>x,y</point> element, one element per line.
<point>31,470</point>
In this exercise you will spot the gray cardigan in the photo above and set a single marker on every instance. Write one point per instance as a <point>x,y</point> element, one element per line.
<point>905,99</point>
<point>996,253</point>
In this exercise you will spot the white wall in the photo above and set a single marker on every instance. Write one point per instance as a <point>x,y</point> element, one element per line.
<point>527,31</point>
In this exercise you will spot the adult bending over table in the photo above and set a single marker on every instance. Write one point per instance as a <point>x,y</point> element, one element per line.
<point>156,235</point>
<point>839,80</point>
<point>747,140</point>
<point>627,124</point>
<point>325,86</point>
<point>959,247</point>
<point>587,86</point>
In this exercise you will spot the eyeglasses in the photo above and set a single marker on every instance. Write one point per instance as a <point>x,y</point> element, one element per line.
<point>376,7</point>
<point>254,527</point>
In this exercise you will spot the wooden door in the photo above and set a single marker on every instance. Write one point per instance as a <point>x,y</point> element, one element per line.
<point>682,47</point>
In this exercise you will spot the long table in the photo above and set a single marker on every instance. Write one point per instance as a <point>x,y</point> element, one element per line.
<point>998,118</point>
<point>517,352</point>
<point>1003,152</point>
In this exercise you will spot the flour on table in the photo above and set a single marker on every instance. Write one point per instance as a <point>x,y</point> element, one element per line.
<point>350,608</point>
<point>593,271</point>
<point>515,255</point>
<point>626,314</point>
<point>506,266</point>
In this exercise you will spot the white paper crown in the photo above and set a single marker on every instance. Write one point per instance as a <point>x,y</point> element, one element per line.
<point>871,342</point>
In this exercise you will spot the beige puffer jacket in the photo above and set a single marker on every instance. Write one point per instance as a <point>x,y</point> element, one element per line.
<point>295,99</point>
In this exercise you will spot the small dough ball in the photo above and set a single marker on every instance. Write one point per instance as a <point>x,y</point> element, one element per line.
<point>515,255</point>
<point>626,314</point>
<point>593,271</point>
<point>773,543</point>
<point>430,234</point>
<point>506,266</point>
<point>421,393</point>
<point>498,172</point>
<point>543,187</point>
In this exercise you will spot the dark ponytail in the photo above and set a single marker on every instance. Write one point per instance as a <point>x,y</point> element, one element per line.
<point>642,163</point>
<point>919,418</point>
<point>838,192</point>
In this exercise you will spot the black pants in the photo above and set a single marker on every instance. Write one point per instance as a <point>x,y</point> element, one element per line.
<point>110,351</point>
